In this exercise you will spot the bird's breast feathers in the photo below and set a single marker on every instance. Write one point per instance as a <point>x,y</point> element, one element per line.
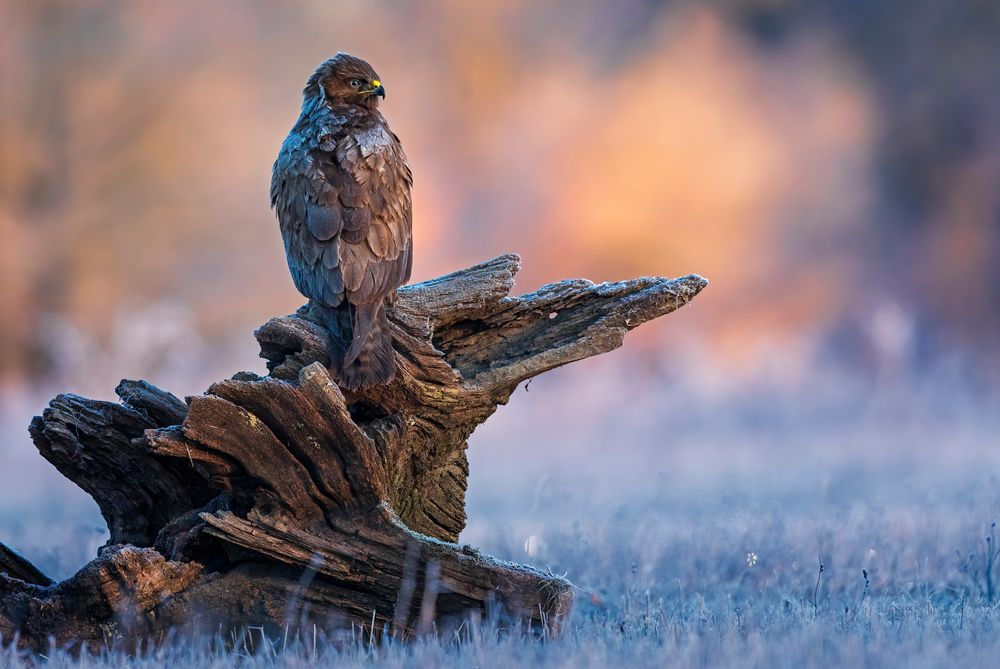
<point>374,139</point>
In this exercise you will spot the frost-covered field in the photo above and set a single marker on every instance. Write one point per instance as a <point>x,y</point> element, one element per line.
<point>693,523</point>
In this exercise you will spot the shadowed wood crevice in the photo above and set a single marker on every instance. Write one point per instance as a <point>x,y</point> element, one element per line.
<point>234,499</point>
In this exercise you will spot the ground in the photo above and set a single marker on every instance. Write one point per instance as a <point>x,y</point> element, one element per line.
<point>693,521</point>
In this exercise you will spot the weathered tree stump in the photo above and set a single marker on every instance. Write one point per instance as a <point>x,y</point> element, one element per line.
<point>281,500</point>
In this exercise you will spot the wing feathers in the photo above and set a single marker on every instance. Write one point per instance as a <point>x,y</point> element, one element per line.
<point>379,239</point>
<point>324,222</point>
<point>341,190</point>
<point>356,222</point>
<point>310,247</point>
<point>331,255</point>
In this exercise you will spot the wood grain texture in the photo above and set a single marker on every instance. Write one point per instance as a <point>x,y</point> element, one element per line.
<point>283,499</point>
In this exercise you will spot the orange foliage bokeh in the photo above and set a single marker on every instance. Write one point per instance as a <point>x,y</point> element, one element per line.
<point>598,140</point>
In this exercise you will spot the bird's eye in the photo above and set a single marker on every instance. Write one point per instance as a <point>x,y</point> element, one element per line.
<point>355,82</point>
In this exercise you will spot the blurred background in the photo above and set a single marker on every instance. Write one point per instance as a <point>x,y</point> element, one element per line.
<point>832,166</point>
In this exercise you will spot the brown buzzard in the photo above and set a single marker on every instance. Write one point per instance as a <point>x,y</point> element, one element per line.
<point>341,189</point>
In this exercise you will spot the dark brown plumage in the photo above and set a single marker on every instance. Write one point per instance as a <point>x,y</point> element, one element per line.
<point>341,189</point>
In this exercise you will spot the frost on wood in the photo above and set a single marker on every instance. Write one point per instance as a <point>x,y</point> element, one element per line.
<point>283,500</point>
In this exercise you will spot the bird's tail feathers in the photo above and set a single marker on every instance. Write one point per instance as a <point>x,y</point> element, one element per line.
<point>361,351</point>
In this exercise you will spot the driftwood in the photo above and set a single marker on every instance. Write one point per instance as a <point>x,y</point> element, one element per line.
<point>282,501</point>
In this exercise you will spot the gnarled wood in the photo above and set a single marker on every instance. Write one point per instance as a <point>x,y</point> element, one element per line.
<point>15,565</point>
<point>280,499</point>
<point>92,443</point>
<point>112,600</point>
<point>464,347</point>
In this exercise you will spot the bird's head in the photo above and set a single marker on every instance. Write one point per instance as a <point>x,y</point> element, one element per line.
<point>346,79</point>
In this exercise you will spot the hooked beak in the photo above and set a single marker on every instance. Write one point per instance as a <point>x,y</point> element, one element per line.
<point>378,89</point>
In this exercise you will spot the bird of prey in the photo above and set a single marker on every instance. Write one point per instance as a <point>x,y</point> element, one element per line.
<point>341,190</point>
